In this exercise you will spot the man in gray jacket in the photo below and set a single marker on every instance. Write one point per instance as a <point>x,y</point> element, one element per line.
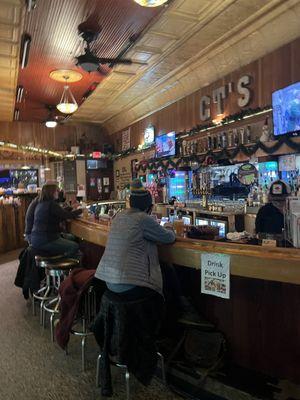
<point>130,260</point>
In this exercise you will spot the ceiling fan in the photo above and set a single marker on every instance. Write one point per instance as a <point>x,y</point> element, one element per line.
<point>52,119</point>
<point>89,61</point>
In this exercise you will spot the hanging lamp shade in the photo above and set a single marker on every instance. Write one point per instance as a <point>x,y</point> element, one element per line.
<point>51,123</point>
<point>67,104</point>
<point>150,3</point>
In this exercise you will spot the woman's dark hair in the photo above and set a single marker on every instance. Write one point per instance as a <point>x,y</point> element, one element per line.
<point>48,192</point>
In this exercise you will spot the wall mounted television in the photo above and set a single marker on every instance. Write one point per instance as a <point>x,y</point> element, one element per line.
<point>96,164</point>
<point>286,110</point>
<point>165,145</point>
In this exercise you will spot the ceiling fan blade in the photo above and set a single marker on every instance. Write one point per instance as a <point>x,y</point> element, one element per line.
<point>102,71</point>
<point>113,61</point>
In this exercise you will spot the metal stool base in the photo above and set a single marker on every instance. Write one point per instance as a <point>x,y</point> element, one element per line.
<point>127,374</point>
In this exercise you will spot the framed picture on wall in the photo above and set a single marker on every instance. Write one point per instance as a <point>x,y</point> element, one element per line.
<point>133,170</point>
<point>105,181</point>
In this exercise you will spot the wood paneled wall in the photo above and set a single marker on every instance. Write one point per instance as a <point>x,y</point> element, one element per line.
<point>276,70</point>
<point>60,138</point>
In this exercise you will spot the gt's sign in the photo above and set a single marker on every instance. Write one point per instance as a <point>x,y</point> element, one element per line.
<point>220,94</point>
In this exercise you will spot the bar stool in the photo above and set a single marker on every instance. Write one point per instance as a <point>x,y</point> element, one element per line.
<point>58,270</point>
<point>46,292</point>
<point>202,324</point>
<point>126,330</point>
<point>127,374</point>
<point>86,314</point>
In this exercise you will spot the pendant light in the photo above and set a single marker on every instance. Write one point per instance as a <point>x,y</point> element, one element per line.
<point>67,104</point>
<point>51,123</point>
<point>150,3</point>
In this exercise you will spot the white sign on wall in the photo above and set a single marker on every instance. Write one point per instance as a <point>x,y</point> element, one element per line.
<point>215,274</point>
<point>126,140</point>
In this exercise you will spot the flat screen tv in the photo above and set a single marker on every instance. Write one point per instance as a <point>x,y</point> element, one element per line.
<point>165,145</point>
<point>286,110</point>
<point>96,164</point>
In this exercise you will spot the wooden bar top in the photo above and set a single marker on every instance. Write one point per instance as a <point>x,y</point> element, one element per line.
<point>250,261</point>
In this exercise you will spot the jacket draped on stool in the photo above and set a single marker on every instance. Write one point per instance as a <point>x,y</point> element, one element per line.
<point>29,276</point>
<point>71,291</point>
<point>126,332</point>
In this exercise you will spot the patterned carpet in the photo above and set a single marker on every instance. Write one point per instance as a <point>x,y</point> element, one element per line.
<point>33,368</point>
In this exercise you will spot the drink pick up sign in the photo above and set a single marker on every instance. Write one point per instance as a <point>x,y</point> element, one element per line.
<point>215,274</point>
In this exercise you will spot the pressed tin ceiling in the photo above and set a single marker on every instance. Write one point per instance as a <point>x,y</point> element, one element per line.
<point>10,29</point>
<point>52,26</point>
<point>192,44</point>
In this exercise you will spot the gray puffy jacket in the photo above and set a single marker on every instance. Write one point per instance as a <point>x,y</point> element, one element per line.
<point>131,255</point>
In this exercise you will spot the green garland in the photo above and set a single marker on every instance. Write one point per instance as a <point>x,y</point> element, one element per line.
<point>214,156</point>
<point>197,129</point>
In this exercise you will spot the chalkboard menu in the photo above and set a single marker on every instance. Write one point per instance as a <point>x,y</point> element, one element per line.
<point>70,184</point>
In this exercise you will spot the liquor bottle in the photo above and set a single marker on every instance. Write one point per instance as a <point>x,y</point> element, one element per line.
<point>209,142</point>
<point>248,134</point>
<point>219,141</point>
<point>199,147</point>
<point>215,142</point>
<point>235,137</point>
<point>194,147</point>
<point>187,148</point>
<point>184,147</point>
<point>224,140</point>
<point>259,195</point>
<point>242,135</point>
<point>265,196</point>
<point>230,138</point>
<point>250,199</point>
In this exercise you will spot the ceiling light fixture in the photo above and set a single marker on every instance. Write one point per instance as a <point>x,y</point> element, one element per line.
<point>67,104</point>
<point>25,47</point>
<point>150,3</point>
<point>20,91</point>
<point>51,123</point>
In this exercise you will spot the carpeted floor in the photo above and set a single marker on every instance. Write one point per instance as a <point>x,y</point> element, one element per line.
<point>33,368</point>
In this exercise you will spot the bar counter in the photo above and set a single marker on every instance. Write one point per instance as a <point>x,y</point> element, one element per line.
<point>260,321</point>
<point>250,261</point>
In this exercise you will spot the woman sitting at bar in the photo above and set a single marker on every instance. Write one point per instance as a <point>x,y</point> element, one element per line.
<point>43,219</point>
<point>130,261</point>
<point>270,218</point>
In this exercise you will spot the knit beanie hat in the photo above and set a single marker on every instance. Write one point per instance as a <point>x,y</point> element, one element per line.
<point>139,197</point>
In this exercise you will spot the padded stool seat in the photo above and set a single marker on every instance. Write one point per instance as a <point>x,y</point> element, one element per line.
<point>63,264</point>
